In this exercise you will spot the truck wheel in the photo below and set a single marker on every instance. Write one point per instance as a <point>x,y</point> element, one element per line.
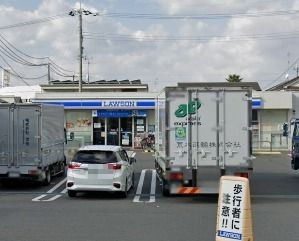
<point>71,193</point>
<point>47,179</point>
<point>62,171</point>
<point>295,164</point>
<point>165,189</point>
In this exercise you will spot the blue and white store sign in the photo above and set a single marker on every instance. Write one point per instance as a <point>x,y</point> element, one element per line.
<point>102,104</point>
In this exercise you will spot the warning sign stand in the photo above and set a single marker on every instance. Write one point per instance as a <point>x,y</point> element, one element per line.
<point>234,220</point>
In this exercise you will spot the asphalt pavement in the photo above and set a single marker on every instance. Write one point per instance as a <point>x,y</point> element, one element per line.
<point>31,212</point>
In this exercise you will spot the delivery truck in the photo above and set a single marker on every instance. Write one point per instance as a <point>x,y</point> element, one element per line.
<point>203,131</point>
<point>32,140</point>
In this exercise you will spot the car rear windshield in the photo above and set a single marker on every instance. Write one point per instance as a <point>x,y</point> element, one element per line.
<point>97,157</point>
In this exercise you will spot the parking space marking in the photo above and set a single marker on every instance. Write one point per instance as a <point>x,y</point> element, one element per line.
<point>57,186</point>
<point>52,198</point>
<point>64,191</point>
<point>140,185</point>
<point>50,192</point>
<point>153,188</point>
<point>37,199</point>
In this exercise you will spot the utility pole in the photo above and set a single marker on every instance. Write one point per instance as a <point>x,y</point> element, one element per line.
<point>80,12</point>
<point>49,77</point>
<point>80,48</point>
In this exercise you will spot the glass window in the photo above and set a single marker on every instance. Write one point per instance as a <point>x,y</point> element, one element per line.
<point>94,156</point>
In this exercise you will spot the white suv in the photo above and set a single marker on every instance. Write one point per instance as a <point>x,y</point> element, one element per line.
<point>101,168</point>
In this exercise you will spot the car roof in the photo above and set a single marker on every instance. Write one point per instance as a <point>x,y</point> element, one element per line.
<point>100,148</point>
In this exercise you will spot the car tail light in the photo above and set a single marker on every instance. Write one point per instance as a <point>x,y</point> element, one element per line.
<point>242,174</point>
<point>176,176</point>
<point>74,165</point>
<point>114,166</point>
<point>33,172</point>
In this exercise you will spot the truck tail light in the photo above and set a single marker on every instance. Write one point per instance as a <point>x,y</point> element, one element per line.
<point>242,174</point>
<point>114,166</point>
<point>74,165</point>
<point>175,176</point>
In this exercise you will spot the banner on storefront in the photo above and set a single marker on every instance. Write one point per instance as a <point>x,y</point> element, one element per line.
<point>118,113</point>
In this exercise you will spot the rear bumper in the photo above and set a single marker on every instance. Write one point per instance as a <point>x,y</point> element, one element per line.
<point>104,188</point>
<point>22,172</point>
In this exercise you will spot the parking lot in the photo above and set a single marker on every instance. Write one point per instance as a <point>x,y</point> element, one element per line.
<point>33,212</point>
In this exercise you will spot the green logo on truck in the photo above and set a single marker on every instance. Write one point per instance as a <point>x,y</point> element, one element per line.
<point>185,109</point>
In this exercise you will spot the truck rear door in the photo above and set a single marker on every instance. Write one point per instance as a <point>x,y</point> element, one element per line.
<point>26,135</point>
<point>234,139</point>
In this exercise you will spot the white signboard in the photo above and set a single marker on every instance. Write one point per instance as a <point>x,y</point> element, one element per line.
<point>233,210</point>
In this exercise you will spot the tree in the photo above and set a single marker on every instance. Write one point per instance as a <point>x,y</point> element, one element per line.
<point>234,78</point>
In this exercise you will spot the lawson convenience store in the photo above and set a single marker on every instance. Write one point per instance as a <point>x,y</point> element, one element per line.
<point>108,121</point>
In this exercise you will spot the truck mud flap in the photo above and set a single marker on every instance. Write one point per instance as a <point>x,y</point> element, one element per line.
<point>194,191</point>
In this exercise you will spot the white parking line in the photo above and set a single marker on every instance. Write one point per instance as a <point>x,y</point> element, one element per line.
<point>37,199</point>
<point>153,188</point>
<point>64,191</point>
<point>52,198</point>
<point>57,186</point>
<point>139,187</point>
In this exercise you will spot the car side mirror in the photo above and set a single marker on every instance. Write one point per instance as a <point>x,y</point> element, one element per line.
<point>132,160</point>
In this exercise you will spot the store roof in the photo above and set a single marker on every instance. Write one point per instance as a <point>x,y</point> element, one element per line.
<point>253,85</point>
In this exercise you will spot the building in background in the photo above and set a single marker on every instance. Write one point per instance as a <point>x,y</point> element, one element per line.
<point>105,112</point>
<point>5,78</point>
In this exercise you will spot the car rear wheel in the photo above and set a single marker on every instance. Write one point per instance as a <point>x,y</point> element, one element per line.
<point>71,193</point>
<point>125,192</point>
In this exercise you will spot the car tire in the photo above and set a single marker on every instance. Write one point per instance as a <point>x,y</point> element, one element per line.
<point>47,179</point>
<point>133,181</point>
<point>62,173</point>
<point>124,193</point>
<point>165,189</point>
<point>71,193</point>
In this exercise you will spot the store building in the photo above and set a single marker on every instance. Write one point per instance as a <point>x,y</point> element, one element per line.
<point>110,113</point>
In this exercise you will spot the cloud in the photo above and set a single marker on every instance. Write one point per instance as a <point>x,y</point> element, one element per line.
<point>161,52</point>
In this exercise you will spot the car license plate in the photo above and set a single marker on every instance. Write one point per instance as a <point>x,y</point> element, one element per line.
<point>14,174</point>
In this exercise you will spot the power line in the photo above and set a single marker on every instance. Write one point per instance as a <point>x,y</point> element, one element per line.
<point>37,21</point>
<point>215,38</point>
<point>157,16</point>
<point>282,74</point>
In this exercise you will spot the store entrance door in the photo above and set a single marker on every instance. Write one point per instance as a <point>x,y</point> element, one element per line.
<point>126,131</point>
<point>99,131</point>
<point>113,131</point>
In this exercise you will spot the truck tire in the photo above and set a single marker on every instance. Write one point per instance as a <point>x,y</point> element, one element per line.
<point>48,178</point>
<point>71,193</point>
<point>295,164</point>
<point>165,189</point>
<point>62,172</point>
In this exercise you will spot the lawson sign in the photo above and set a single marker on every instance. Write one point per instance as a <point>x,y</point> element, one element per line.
<point>102,104</point>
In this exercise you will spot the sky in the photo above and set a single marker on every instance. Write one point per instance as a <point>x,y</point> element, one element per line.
<point>160,42</point>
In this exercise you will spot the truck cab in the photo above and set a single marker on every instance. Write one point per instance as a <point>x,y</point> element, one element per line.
<point>295,143</point>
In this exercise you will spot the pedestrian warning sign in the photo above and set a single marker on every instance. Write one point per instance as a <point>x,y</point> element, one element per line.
<point>234,210</point>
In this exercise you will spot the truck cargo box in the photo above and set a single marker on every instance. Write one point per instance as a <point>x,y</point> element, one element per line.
<point>31,140</point>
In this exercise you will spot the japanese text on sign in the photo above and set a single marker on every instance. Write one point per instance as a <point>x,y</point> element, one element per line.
<point>231,206</point>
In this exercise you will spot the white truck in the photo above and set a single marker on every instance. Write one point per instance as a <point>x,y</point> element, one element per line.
<point>203,131</point>
<point>32,140</point>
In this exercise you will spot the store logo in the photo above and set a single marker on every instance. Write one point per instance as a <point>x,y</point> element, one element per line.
<point>122,103</point>
<point>185,109</point>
